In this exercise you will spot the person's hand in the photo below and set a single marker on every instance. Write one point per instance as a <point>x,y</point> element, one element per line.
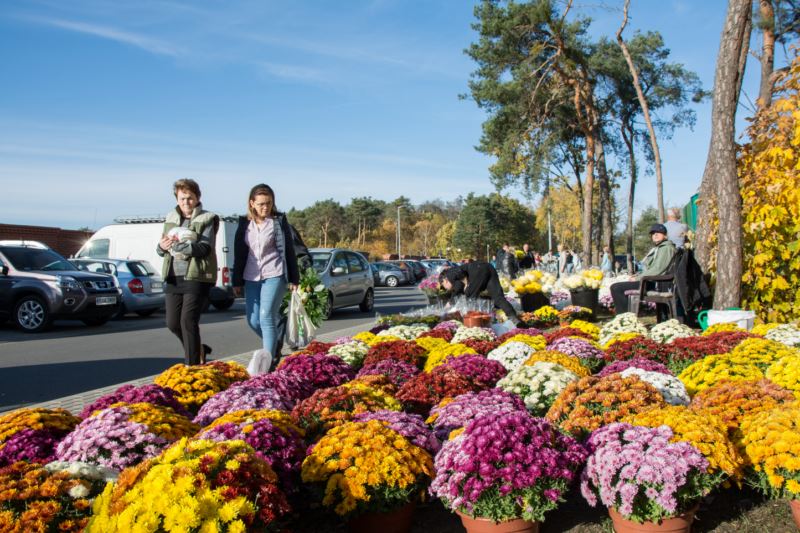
<point>237,291</point>
<point>165,243</point>
<point>292,287</point>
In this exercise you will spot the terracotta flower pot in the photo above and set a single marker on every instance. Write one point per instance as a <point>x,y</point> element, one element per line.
<point>795,506</point>
<point>679,524</point>
<point>477,321</point>
<point>484,525</point>
<point>397,521</point>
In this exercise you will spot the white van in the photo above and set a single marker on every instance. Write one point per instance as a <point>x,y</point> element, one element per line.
<point>136,238</point>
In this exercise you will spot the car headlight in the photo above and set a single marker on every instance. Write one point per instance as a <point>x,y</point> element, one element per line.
<point>66,282</point>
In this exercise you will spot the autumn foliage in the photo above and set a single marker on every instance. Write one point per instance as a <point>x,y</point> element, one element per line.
<point>769,172</point>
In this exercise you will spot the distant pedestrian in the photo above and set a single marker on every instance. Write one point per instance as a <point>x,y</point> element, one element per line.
<point>527,259</point>
<point>510,265</point>
<point>563,258</point>
<point>606,265</point>
<point>676,230</point>
<point>190,267</point>
<point>576,261</point>
<point>264,263</point>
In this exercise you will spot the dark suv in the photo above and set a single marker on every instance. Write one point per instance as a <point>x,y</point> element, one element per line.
<point>37,286</point>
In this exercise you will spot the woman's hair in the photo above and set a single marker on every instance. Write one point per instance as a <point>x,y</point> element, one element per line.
<point>258,190</point>
<point>186,185</point>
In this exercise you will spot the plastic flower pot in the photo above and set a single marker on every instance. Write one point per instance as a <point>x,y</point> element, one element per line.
<point>587,298</point>
<point>532,301</point>
<point>397,521</point>
<point>795,506</point>
<point>485,525</point>
<point>678,524</point>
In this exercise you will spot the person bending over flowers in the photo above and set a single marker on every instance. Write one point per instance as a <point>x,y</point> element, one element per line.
<point>473,278</point>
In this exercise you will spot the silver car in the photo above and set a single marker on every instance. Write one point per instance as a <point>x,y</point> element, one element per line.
<point>347,276</point>
<point>142,287</point>
<point>390,275</point>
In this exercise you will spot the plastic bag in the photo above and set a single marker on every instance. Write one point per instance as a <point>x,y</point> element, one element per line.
<point>299,328</point>
<point>260,363</point>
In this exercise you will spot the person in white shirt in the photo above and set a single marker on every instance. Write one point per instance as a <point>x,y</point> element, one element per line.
<point>676,230</point>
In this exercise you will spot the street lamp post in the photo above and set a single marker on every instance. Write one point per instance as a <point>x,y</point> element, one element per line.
<point>398,232</point>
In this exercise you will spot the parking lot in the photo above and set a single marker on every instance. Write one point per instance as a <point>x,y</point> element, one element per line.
<point>72,358</point>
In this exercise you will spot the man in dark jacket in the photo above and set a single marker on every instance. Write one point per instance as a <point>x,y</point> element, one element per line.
<point>472,279</point>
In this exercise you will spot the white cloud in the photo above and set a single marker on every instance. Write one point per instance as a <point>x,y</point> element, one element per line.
<point>154,46</point>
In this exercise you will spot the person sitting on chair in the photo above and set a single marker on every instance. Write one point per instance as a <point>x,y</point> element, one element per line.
<point>656,263</point>
<point>472,279</point>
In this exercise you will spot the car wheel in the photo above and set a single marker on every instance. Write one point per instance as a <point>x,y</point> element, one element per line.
<point>97,321</point>
<point>223,305</point>
<point>328,311</point>
<point>391,281</point>
<point>368,303</point>
<point>31,315</point>
<point>146,312</point>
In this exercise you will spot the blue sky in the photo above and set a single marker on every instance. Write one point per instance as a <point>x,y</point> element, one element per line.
<point>103,104</point>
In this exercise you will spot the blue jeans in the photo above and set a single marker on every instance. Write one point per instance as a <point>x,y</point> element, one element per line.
<point>262,307</point>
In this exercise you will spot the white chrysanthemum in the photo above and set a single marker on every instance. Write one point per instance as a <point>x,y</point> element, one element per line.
<point>622,323</point>
<point>464,333</point>
<point>79,469</point>
<point>352,353</point>
<point>671,388</point>
<point>787,334</point>
<point>511,355</point>
<point>407,333</point>
<point>538,384</point>
<point>668,331</point>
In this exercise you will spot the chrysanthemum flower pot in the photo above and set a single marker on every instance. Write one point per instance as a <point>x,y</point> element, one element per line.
<point>397,521</point>
<point>485,525</point>
<point>679,524</point>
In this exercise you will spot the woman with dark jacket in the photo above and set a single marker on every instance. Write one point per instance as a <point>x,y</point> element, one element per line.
<point>190,267</point>
<point>472,279</point>
<point>264,263</point>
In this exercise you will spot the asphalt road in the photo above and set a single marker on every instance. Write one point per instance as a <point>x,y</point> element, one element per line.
<point>73,358</point>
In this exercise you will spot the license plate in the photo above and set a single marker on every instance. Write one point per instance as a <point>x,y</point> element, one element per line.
<point>106,300</point>
<point>156,287</point>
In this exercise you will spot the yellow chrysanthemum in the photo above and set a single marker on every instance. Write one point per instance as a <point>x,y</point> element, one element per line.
<point>786,373</point>
<point>770,442</point>
<point>722,326</point>
<point>586,327</point>
<point>712,369</point>
<point>172,492</point>
<point>437,356</point>
<point>620,337</point>
<point>361,461</point>
<point>704,431</point>
<point>431,343</point>
<point>573,364</point>
<point>537,342</point>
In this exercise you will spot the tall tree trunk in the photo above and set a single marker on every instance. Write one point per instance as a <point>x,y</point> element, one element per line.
<point>588,193</point>
<point>629,142</point>
<point>607,203</point>
<point>767,15</point>
<point>646,112</point>
<point>722,152</point>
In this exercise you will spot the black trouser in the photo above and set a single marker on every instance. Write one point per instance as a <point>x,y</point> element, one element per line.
<point>498,297</point>
<point>618,294</point>
<point>183,319</point>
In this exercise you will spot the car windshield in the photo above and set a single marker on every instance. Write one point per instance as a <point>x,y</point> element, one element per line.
<point>320,260</point>
<point>30,259</point>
